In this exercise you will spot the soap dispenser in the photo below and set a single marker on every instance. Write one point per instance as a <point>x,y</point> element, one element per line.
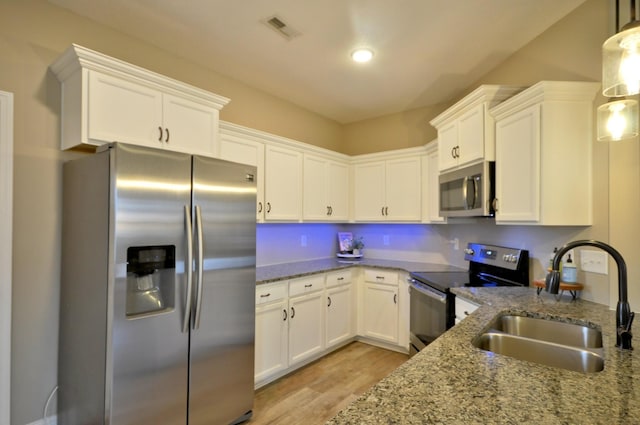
<point>569,271</point>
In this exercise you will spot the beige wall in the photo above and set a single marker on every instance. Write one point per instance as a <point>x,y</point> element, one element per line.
<point>33,33</point>
<point>395,131</point>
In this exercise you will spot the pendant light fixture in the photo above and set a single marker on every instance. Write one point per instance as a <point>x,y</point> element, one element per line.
<point>618,119</point>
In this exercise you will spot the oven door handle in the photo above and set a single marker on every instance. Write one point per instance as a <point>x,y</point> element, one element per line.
<point>431,293</point>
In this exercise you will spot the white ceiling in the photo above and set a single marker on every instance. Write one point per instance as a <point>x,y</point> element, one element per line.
<point>426,51</point>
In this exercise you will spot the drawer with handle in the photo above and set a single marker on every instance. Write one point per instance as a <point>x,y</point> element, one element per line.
<point>381,276</point>
<point>307,284</point>
<point>339,278</point>
<point>271,292</point>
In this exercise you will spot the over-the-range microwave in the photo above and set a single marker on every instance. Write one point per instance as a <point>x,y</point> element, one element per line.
<point>468,191</point>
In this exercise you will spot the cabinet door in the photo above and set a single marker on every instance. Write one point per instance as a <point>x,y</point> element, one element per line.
<point>315,189</point>
<point>471,135</point>
<point>369,182</point>
<point>463,309</point>
<point>338,191</point>
<point>402,188</point>
<point>518,166</point>
<point>339,317</point>
<point>306,326</point>
<point>431,189</point>
<point>245,151</point>
<point>271,341</point>
<point>189,126</point>
<point>380,318</point>
<point>121,111</point>
<point>283,184</point>
<point>447,144</point>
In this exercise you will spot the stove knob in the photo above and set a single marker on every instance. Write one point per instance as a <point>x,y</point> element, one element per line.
<point>469,251</point>
<point>514,258</point>
<point>505,258</point>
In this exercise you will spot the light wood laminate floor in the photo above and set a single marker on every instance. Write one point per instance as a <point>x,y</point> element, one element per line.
<point>315,393</point>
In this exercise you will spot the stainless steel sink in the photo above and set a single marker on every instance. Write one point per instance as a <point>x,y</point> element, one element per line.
<point>548,342</point>
<point>548,330</point>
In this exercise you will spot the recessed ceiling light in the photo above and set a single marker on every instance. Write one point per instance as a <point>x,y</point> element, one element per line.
<point>362,55</point>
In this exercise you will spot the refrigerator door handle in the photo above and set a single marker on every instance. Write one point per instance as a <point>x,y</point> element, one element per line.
<point>199,268</point>
<point>189,269</point>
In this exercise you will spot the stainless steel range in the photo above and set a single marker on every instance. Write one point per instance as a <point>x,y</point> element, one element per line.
<point>433,303</point>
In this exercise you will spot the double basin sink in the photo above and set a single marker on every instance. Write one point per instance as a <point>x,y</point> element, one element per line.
<point>549,342</point>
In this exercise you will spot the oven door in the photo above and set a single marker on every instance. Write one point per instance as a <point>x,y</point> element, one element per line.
<point>430,315</point>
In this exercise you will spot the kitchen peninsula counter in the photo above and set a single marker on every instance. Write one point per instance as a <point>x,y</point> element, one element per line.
<point>273,273</point>
<point>452,382</point>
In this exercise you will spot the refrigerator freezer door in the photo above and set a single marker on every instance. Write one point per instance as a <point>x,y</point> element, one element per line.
<point>148,350</point>
<point>222,336</point>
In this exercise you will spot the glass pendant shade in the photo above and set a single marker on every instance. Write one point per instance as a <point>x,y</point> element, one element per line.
<point>621,62</point>
<point>618,120</point>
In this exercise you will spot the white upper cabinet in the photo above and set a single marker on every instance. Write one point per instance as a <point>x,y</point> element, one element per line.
<point>430,185</point>
<point>283,184</point>
<point>543,155</point>
<point>238,145</point>
<point>388,189</point>
<point>325,189</point>
<point>106,100</point>
<point>466,129</point>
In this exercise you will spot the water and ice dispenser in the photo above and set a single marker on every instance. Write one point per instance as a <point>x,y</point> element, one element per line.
<point>151,278</point>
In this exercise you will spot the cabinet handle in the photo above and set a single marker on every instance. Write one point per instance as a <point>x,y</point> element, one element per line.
<point>293,312</point>
<point>380,277</point>
<point>495,204</point>
<point>328,210</point>
<point>453,152</point>
<point>284,316</point>
<point>160,134</point>
<point>466,313</point>
<point>309,285</point>
<point>268,207</point>
<point>259,207</point>
<point>167,138</point>
<point>265,295</point>
<point>395,298</point>
<point>382,211</point>
<point>341,278</point>
<point>386,211</point>
<point>328,301</point>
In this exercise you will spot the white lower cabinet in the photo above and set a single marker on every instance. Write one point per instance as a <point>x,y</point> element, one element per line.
<point>339,318</point>
<point>300,320</point>
<point>464,308</point>
<point>380,312</point>
<point>306,326</point>
<point>272,331</point>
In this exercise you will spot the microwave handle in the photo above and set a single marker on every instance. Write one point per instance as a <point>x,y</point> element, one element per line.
<point>475,192</point>
<point>465,193</point>
<point>465,180</point>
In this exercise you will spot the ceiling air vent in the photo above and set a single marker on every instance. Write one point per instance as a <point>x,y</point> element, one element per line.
<point>277,24</point>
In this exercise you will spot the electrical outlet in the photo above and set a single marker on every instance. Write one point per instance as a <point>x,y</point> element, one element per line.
<point>385,240</point>
<point>303,240</point>
<point>594,261</point>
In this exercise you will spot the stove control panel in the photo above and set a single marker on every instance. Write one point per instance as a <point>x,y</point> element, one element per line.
<point>494,255</point>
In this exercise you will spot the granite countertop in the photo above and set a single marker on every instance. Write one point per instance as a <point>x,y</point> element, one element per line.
<point>268,274</point>
<point>452,382</point>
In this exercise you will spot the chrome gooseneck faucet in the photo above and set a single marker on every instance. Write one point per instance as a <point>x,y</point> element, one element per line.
<point>624,315</point>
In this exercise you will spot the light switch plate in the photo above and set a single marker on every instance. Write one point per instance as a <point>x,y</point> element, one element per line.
<point>594,261</point>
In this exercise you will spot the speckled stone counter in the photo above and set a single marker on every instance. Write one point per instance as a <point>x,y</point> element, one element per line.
<point>452,382</point>
<point>267,274</point>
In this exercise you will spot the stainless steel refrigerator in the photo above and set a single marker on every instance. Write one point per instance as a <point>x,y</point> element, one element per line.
<point>157,311</point>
